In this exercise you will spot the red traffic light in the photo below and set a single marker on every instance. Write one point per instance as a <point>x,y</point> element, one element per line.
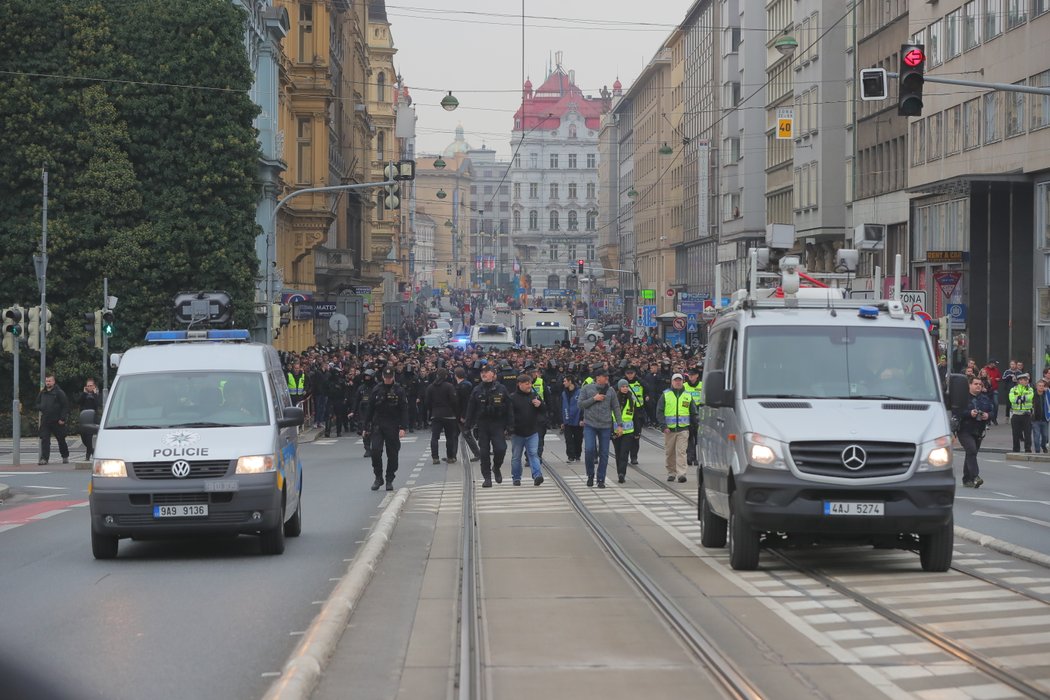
<point>914,57</point>
<point>579,262</point>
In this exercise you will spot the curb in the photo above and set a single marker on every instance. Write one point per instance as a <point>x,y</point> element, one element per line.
<point>5,491</point>
<point>303,670</point>
<point>1028,457</point>
<point>993,543</point>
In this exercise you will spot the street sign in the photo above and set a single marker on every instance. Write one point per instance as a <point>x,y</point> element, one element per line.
<point>679,324</point>
<point>913,300</point>
<point>669,292</point>
<point>675,337</point>
<point>649,316</point>
<point>338,323</point>
<point>686,297</point>
<point>926,318</point>
<point>957,257</point>
<point>324,309</point>
<point>303,311</point>
<point>785,123</point>
<point>957,313</point>
<point>947,281</point>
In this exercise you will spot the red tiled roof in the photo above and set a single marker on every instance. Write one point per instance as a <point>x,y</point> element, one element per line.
<point>553,98</point>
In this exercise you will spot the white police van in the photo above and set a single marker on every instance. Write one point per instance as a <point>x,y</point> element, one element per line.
<point>492,336</point>
<point>824,421</point>
<point>198,436</point>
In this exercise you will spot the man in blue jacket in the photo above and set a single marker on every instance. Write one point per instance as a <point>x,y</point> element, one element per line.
<point>571,421</point>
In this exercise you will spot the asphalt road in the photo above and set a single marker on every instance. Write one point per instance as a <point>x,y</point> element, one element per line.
<point>1013,504</point>
<point>208,618</point>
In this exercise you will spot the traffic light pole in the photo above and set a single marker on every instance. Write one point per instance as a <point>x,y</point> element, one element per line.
<point>271,238</point>
<point>16,413</point>
<point>105,344</point>
<point>43,290</point>
<point>1004,87</point>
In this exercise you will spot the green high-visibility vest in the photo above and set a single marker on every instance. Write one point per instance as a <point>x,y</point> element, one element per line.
<point>626,417</point>
<point>537,385</point>
<point>638,389</point>
<point>588,380</point>
<point>697,391</point>
<point>1021,397</point>
<point>676,409</point>
<point>296,387</point>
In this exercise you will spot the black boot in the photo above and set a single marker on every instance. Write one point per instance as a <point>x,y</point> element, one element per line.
<point>376,484</point>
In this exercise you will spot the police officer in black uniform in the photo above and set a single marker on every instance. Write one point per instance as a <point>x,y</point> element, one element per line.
<point>508,376</point>
<point>489,408</point>
<point>388,418</point>
<point>362,408</point>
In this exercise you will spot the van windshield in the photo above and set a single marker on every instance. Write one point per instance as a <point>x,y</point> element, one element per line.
<point>852,362</point>
<point>545,337</point>
<point>202,399</point>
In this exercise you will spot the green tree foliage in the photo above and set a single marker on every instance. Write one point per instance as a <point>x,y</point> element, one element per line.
<point>140,112</point>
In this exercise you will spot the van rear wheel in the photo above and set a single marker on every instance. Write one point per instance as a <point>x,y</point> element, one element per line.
<point>104,546</point>
<point>936,548</point>
<point>743,543</point>
<point>712,528</point>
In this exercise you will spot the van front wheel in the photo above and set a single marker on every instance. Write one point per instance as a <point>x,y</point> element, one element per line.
<point>743,543</point>
<point>272,541</point>
<point>936,548</point>
<point>712,528</point>
<point>103,546</point>
<point>294,527</point>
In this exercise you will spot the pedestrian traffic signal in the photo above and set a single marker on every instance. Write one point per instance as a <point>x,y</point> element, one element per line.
<point>910,80</point>
<point>579,266</point>
<point>93,325</point>
<point>107,323</point>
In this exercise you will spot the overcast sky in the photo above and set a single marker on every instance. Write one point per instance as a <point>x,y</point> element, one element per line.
<point>474,49</point>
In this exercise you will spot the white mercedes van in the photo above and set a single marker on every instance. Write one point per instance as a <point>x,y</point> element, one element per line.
<point>198,436</point>
<point>824,421</point>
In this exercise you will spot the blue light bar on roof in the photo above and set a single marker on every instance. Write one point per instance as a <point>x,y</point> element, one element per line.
<point>183,336</point>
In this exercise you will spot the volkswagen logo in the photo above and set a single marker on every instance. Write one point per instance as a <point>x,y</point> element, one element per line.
<point>180,469</point>
<point>853,457</point>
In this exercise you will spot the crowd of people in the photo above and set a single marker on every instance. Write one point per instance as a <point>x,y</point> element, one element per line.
<point>601,397</point>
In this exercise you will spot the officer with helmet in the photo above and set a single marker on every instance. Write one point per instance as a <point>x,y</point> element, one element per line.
<point>638,389</point>
<point>361,407</point>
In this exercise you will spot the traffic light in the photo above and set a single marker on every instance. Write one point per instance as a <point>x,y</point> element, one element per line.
<point>910,80</point>
<point>33,331</point>
<point>93,325</point>
<point>107,323</point>
<point>12,327</point>
<point>393,192</point>
<point>286,314</point>
<point>579,266</point>
<point>275,319</point>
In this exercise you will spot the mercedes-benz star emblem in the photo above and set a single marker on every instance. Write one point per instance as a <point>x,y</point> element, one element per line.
<point>854,457</point>
<point>180,469</point>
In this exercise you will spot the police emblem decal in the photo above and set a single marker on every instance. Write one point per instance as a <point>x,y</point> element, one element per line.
<point>181,438</point>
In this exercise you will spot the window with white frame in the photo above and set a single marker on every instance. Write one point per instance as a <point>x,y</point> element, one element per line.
<point>572,253</point>
<point>953,130</point>
<point>573,222</point>
<point>552,252</point>
<point>572,161</point>
<point>993,18</point>
<point>952,34</point>
<point>517,190</point>
<point>591,160</point>
<point>590,251</point>
<point>730,150</point>
<point>534,160</point>
<point>813,184</point>
<point>534,220</point>
<point>592,220</point>
<point>796,189</point>
<point>1040,7</point>
<point>554,161</point>
<point>934,136</point>
<point>590,190</point>
<point>554,190</point>
<point>993,117</point>
<point>572,190</point>
<point>555,221</point>
<point>934,47</point>
<point>971,26</point>
<point>534,190</point>
<point>1016,13</point>
<point>517,161</point>
<point>730,94</point>
<point>971,123</point>
<point>1015,102</point>
<point>1040,103</point>
<point>517,220</point>
<point>918,142</point>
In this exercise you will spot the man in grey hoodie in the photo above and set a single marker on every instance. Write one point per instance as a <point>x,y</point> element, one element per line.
<point>601,415</point>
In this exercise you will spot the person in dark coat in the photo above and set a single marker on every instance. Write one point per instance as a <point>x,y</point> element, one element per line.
<point>971,422</point>
<point>388,420</point>
<point>54,410</point>
<point>89,401</point>
<point>443,402</point>
<point>464,388</point>
<point>529,415</point>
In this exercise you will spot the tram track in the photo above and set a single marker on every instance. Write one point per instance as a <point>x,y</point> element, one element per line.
<point>719,667</point>
<point>941,641</point>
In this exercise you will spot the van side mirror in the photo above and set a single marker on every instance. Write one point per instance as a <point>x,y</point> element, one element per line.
<point>715,394</point>
<point>958,391</point>
<point>87,421</point>
<point>293,416</point>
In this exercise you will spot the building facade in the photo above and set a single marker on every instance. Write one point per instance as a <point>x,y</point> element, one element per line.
<point>442,192</point>
<point>979,176</point>
<point>554,181</point>
<point>265,29</point>
<point>490,267</point>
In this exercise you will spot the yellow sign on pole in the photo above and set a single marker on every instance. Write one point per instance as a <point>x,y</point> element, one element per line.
<point>785,123</point>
